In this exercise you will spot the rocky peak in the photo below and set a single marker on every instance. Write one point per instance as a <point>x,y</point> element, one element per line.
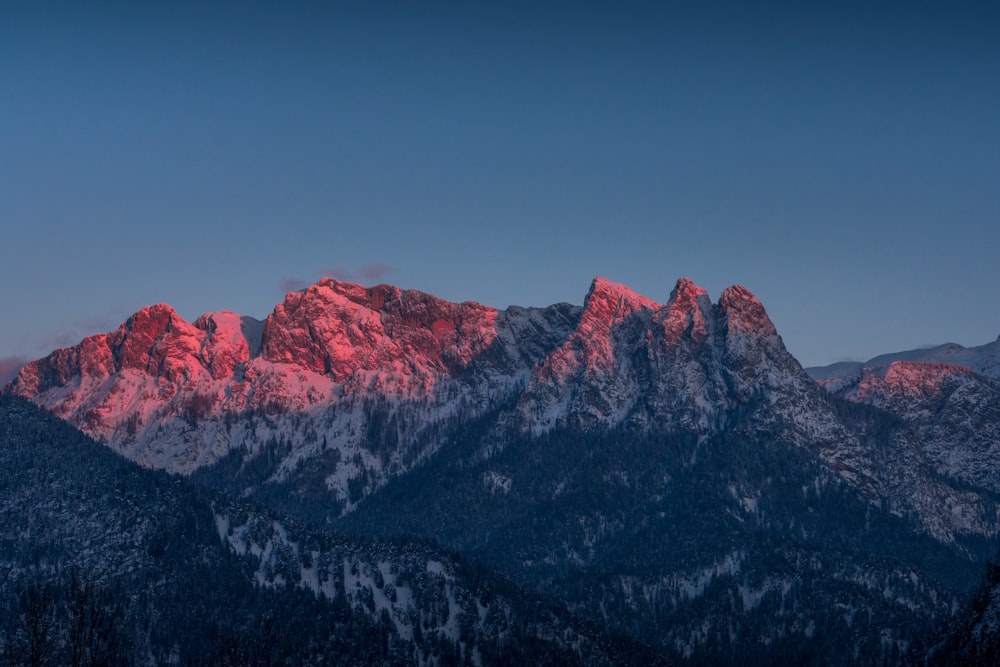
<point>337,328</point>
<point>682,364</point>
<point>328,328</point>
<point>905,380</point>
<point>744,313</point>
<point>148,324</point>
<point>685,290</point>
<point>752,353</point>
<point>230,340</point>
<point>91,356</point>
<point>608,311</point>
<point>687,313</point>
<point>589,378</point>
<point>156,341</point>
<point>608,301</point>
<point>352,291</point>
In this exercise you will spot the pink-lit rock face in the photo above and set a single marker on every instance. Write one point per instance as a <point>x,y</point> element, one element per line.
<point>337,328</point>
<point>592,347</point>
<point>91,357</point>
<point>686,316</point>
<point>179,395</point>
<point>154,367</point>
<point>743,313</point>
<point>337,364</point>
<point>345,386</point>
<point>155,342</point>
<point>951,412</point>
<point>158,342</point>
<point>224,345</point>
<point>688,386</point>
<point>905,380</point>
<point>588,379</point>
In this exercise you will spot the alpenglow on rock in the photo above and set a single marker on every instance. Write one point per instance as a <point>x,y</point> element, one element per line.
<point>344,387</point>
<point>335,361</point>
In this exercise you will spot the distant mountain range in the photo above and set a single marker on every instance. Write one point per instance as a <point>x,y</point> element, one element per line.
<point>665,471</point>
<point>983,359</point>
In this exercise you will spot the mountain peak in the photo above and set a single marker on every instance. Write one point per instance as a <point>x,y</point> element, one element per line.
<point>737,292</point>
<point>744,312</point>
<point>686,290</point>
<point>337,341</point>
<point>156,313</point>
<point>686,311</point>
<point>353,291</point>
<point>620,300</point>
<point>601,285</point>
<point>158,308</point>
<point>158,341</point>
<point>147,325</point>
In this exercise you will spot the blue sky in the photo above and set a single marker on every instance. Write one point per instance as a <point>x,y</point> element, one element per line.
<point>841,161</point>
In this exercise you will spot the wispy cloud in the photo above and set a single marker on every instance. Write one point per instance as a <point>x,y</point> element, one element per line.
<point>78,330</point>
<point>62,339</point>
<point>373,272</point>
<point>9,366</point>
<point>367,273</point>
<point>337,273</point>
<point>292,285</point>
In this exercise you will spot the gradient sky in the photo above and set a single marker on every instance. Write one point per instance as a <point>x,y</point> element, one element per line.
<point>840,161</point>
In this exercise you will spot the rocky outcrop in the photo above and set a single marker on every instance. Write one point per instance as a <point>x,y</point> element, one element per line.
<point>952,414</point>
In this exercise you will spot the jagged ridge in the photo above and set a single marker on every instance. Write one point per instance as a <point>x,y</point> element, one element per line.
<point>165,392</point>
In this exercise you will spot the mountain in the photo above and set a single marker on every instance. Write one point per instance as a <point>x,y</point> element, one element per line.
<point>672,471</point>
<point>356,385</point>
<point>665,470</point>
<point>128,565</point>
<point>311,383</point>
<point>983,359</point>
<point>951,411</point>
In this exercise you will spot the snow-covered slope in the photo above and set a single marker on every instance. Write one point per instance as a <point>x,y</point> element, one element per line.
<point>180,576</point>
<point>952,414</point>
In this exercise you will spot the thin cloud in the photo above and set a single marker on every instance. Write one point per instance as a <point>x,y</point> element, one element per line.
<point>337,273</point>
<point>64,339</point>
<point>78,330</point>
<point>292,285</point>
<point>9,366</point>
<point>374,272</point>
<point>368,273</point>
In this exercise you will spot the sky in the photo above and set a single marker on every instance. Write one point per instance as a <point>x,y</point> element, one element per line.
<point>841,159</point>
